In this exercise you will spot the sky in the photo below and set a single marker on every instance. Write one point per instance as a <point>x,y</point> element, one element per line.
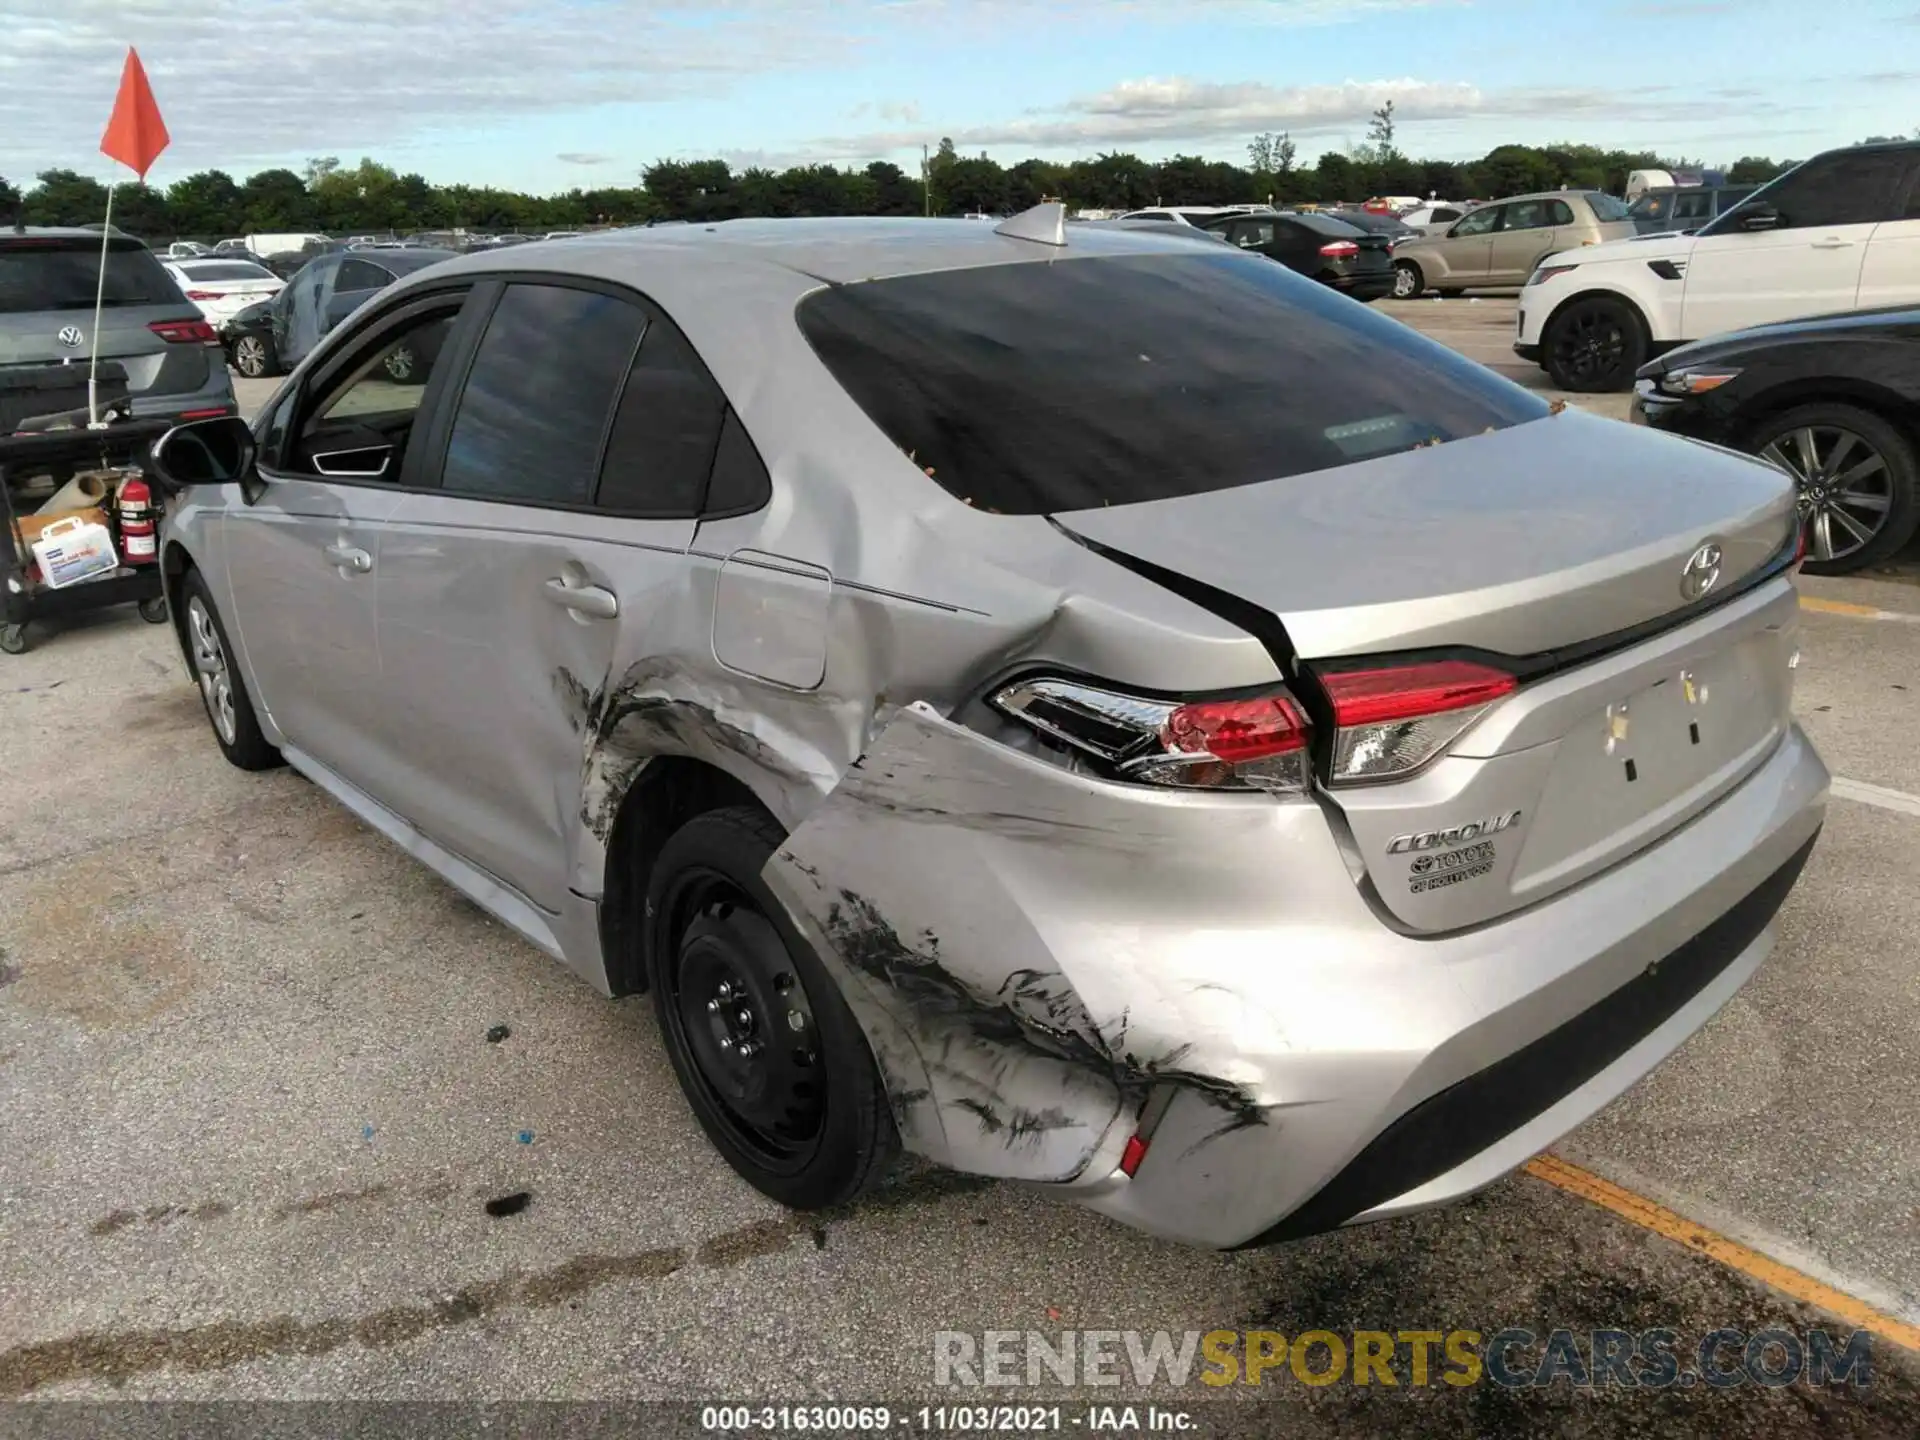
<point>545,95</point>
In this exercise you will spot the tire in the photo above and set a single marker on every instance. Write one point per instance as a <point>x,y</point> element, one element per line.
<point>1875,512</point>
<point>13,639</point>
<point>222,692</point>
<point>803,1118</point>
<point>1408,282</point>
<point>154,611</point>
<point>1593,346</point>
<point>1451,292</point>
<point>253,357</point>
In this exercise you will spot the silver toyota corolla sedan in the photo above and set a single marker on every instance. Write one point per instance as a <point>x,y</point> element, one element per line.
<point>1085,705</point>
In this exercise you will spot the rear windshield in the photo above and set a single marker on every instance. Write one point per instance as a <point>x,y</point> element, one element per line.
<point>1032,388</point>
<point>63,274</point>
<point>225,270</point>
<point>1339,226</point>
<point>1606,208</point>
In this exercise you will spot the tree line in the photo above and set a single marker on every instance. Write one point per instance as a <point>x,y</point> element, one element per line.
<point>373,198</point>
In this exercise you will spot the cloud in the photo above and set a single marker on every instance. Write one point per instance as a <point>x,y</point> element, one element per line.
<point>1150,112</point>
<point>581,157</point>
<point>243,81</point>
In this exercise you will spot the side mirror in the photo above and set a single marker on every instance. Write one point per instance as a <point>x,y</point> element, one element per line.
<point>203,452</point>
<point>1759,217</point>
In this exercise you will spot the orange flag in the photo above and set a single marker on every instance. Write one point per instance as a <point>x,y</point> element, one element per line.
<point>136,134</point>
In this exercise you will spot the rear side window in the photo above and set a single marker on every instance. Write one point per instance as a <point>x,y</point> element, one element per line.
<point>661,448</point>
<point>1443,215</point>
<point>1033,388</point>
<point>356,275</point>
<point>62,274</point>
<point>534,413</point>
<point>1606,208</point>
<point>1559,213</point>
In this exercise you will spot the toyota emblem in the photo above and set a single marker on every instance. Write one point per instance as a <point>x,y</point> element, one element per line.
<point>1702,572</point>
<point>71,337</point>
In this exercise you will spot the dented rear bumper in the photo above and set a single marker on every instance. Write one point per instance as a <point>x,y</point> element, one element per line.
<point>1038,958</point>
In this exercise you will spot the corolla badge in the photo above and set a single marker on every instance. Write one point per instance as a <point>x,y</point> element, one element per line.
<point>71,337</point>
<point>1702,572</point>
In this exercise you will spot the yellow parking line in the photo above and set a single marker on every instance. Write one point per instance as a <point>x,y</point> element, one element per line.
<point>1859,612</point>
<point>1731,1253</point>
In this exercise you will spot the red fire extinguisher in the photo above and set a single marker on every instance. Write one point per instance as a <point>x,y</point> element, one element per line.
<point>137,530</point>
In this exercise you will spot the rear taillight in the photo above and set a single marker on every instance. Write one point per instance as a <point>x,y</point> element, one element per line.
<point>204,295</point>
<point>1247,743</point>
<point>1391,721</point>
<point>184,332</point>
<point>1799,543</point>
<point>1340,249</point>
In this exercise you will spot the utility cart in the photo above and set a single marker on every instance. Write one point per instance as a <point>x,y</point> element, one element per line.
<point>79,516</point>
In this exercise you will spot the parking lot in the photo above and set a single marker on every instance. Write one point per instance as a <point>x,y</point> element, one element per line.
<point>261,1100</point>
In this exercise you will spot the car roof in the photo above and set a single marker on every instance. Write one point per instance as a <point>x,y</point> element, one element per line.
<point>840,250</point>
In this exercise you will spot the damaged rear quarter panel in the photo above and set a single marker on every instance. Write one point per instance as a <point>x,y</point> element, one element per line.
<point>1021,945</point>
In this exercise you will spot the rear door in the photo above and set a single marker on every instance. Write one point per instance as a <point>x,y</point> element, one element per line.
<point>570,475</point>
<point>1808,263</point>
<point>47,292</point>
<point>354,283</point>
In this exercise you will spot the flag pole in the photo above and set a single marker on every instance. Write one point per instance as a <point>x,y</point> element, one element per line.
<point>99,304</point>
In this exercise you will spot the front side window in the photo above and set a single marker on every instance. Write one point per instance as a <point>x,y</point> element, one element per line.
<point>1032,389</point>
<point>359,429</point>
<point>1843,189</point>
<point>1480,222</point>
<point>534,411</point>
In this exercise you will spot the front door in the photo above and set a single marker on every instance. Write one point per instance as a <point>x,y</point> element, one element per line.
<point>1468,249</point>
<point>551,557</point>
<point>1530,231</point>
<point>1891,275</point>
<point>302,562</point>
<point>1809,261</point>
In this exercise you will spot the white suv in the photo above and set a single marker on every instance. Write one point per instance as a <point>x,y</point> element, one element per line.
<point>1189,214</point>
<point>1838,232</point>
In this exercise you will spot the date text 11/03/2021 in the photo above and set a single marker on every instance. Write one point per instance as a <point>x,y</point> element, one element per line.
<point>944,1419</point>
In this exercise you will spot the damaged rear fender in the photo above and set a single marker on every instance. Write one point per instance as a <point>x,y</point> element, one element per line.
<point>964,893</point>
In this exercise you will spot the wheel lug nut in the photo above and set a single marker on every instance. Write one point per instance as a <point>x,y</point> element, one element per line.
<point>743,1015</point>
<point>725,990</point>
<point>795,1020</point>
<point>726,1043</point>
<point>713,1007</point>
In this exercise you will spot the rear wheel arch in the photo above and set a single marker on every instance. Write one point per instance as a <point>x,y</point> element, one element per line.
<point>667,793</point>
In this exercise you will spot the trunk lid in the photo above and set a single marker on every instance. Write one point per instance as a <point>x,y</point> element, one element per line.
<point>1528,543</point>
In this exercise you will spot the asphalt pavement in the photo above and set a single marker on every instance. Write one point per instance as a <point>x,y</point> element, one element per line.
<point>269,1082</point>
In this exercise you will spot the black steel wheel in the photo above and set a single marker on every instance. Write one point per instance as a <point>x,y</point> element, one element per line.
<point>1595,345</point>
<point>773,1063</point>
<point>1855,475</point>
<point>13,639</point>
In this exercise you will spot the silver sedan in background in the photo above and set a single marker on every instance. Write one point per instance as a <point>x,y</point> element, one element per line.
<point>1085,704</point>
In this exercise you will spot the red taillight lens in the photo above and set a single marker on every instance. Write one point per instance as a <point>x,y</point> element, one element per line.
<point>184,332</point>
<point>1236,730</point>
<point>1258,743</point>
<point>1132,1155</point>
<point>1340,249</point>
<point>204,295</point>
<point>1799,546</point>
<point>1392,721</point>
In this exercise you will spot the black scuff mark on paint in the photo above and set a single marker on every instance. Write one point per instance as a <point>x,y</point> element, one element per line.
<point>1033,1012</point>
<point>627,722</point>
